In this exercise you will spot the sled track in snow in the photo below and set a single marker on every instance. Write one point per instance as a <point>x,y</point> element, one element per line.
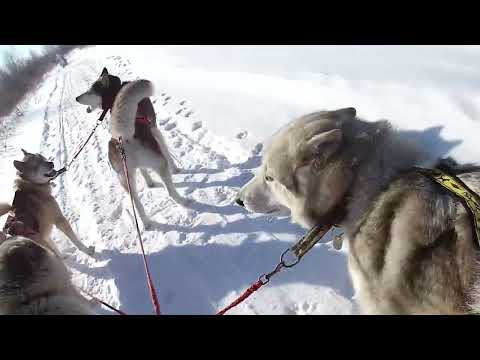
<point>90,193</point>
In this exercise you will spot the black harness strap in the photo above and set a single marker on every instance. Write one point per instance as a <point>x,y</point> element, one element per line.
<point>21,221</point>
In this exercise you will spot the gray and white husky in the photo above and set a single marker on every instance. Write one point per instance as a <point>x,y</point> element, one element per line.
<point>412,246</point>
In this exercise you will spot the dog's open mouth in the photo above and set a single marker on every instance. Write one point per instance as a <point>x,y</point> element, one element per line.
<point>51,173</point>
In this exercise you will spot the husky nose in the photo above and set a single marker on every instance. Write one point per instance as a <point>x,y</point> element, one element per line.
<point>240,202</point>
<point>76,99</point>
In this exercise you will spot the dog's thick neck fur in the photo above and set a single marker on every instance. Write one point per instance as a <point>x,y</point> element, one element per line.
<point>25,185</point>
<point>376,149</point>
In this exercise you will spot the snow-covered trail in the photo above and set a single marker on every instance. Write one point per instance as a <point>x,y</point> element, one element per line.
<point>201,258</point>
<point>216,105</point>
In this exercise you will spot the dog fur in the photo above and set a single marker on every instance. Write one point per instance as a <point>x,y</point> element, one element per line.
<point>144,146</point>
<point>34,281</point>
<point>38,204</point>
<point>412,247</point>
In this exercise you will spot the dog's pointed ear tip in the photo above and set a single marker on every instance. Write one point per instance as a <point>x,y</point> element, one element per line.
<point>104,71</point>
<point>351,111</point>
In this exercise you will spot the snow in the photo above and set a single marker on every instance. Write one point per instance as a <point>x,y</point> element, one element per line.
<point>216,105</point>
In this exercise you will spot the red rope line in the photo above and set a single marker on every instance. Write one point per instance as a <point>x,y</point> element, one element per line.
<point>243,297</point>
<point>153,293</point>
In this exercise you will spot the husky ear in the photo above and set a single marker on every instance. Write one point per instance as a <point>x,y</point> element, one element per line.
<point>346,112</point>
<point>105,81</point>
<point>104,71</point>
<point>26,153</point>
<point>324,145</point>
<point>20,166</point>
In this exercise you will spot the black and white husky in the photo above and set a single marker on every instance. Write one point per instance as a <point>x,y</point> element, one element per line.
<point>133,119</point>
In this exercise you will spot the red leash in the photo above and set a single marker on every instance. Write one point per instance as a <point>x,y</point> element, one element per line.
<point>243,297</point>
<point>298,250</point>
<point>262,280</point>
<point>153,293</point>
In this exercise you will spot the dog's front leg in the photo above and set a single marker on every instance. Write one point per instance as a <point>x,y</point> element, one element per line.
<point>64,226</point>
<point>4,208</point>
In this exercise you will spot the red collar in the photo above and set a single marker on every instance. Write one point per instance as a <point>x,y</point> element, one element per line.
<point>141,118</point>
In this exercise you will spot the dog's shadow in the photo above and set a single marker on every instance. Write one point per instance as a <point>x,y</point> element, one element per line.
<point>430,140</point>
<point>244,225</point>
<point>236,181</point>
<point>210,272</point>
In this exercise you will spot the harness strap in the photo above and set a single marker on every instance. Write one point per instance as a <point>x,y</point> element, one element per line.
<point>20,221</point>
<point>456,186</point>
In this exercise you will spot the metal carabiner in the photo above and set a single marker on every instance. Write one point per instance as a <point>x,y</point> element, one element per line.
<point>282,260</point>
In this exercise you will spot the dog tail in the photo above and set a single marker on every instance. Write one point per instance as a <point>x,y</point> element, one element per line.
<point>122,120</point>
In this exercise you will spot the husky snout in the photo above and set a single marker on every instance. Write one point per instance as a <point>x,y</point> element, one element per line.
<point>240,202</point>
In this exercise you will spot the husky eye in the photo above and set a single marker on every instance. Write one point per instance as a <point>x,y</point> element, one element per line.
<point>268,178</point>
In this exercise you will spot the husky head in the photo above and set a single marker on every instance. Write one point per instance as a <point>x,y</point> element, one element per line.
<point>28,271</point>
<point>102,93</point>
<point>35,168</point>
<point>305,171</point>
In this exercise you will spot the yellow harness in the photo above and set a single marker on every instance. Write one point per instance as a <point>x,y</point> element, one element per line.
<point>461,190</point>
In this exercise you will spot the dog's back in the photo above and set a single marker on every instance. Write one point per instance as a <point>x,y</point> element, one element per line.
<point>450,166</point>
<point>34,281</point>
<point>124,111</point>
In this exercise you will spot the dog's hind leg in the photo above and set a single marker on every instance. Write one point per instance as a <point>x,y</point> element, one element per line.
<point>166,153</point>
<point>164,173</point>
<point>138,205</point>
